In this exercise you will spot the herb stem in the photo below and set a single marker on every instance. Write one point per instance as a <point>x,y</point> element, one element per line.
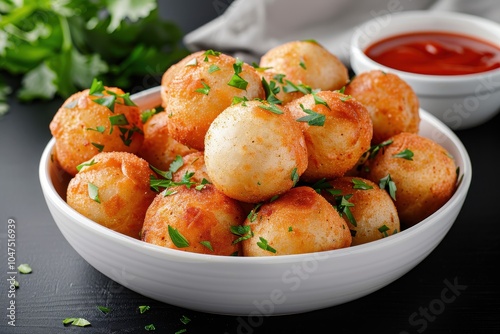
<point>17,15</point>
<point>67,42</point>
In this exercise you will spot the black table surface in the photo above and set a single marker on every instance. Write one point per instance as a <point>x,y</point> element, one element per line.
<point>64,285</point>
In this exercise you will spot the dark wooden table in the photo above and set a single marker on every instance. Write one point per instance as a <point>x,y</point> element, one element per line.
<point>63,285</point>
<point>454,290</point>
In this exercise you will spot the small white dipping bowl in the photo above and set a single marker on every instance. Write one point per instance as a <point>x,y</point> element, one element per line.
<point>460,101</point>
<point>253,285</point>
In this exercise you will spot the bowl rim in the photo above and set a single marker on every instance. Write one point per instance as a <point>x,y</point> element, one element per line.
<point>426,15</point>
<point>146,99</point>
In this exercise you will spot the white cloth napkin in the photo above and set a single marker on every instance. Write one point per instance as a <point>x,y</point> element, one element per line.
<point>249,28</point>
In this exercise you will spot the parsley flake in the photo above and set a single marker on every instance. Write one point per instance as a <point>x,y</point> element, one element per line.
<point>295,176</point>
<point>99,147</point>
<point>263,243</point>
<point>405,154</point>
<point>272,108</point>
<point>143,308</point>
<point>150,327</point>
<point>85,164</point>
<point>313,118</point>
<point>177,238</point>
<point>205,90</point>
<point>207,244</point>
<point>360,184</point>
<point>387,182</point>
<point>243,231</point>
<point>24,268</point>
<point>93,192</point>
<point>104,309</point>
<point>185,320</point>
<point>80,322</point>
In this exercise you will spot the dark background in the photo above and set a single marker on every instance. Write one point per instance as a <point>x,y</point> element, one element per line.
<point>63,285</point>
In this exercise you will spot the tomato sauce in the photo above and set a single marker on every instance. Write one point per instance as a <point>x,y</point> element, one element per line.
<point>436,53</point>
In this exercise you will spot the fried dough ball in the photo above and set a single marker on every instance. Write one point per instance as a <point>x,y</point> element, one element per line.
<point>252,153</point>
<point>193,163</point>
<point>159,148</point>
<point>82,128</point>
<point>335,146</point>
<point>308,63</point>
<point>201,89</point>
<point>423,172</point>
<point>203,218</point>
<point>375,215</point>
<point>170,74</point>
<point>392,103</point>
<point>299,221</point>
<point>113,190</point>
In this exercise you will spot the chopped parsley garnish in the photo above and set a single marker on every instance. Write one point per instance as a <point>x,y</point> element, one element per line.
<point>180,331</point>
<point>321,184</point>
<point>237,99</point>
<point>272,108</point>
<point>80,322</point>
<point>207,244</point>
<point>211,53</point>
<point>148,113</point>
<point>93,192</point>
<point>383,229</point>
<point>290,229</point>
<point>177,238</point>
<point>243,231</point>
<point>373,150</point>
<point>263,243</point>
<point>85,164</point>
<point>343,207</point>
<point>360,184</point>
<point>303,65</point>
<point>99,147</point>
<point>96,88</point>
<point>143,308</point>
<point>279,77</point>
<point>107,101</point>
<point>313,118</point>
<point>205,90</point>
<point>237,81</point>
<point>294,176</point>
<point>24,268</point>
<point>98,128</point>
<point>213,68</point>
<point>319,100</point>
<point>150,327</point>
<point>252,215</point>
<point>405,154</point>
<point>104,309</point>
<point>185,320</point>
<point>388,184</point>
<point>291,87</point>
<point>271,89</point>
<point>345,98</point>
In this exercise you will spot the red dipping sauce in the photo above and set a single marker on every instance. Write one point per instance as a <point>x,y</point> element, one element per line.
<point>435,53</point>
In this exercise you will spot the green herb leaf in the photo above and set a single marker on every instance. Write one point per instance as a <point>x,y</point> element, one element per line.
<point>205,90</point>
<point>24,268</point>
<point>93,192</point>
<point>98,128</point>
<point>99,147</point>
<point>242,100</point>
<point>383,229</point>
<point>150,327</point>
<point>207,244</point>
<point>265,245</point>
<point>272,108</point>
<point>80,322</point>
<point>185,320</point>
<point>143,308</point>
<point>238,82</point>
<point>295,176</point>
<point>388,184</point>
<point>213,68</point>
<point>360,184</point>
<point>85,164</point>
<point>243,231</point>
<point>406,154</point>
<point>177,238</point>
<point>319,100</point>
<point>96,88</point>
<point>104,309</point>
<point>313,118</point>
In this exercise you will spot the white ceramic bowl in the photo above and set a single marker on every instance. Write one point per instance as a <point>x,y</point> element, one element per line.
<point>254,285</point>
<point>460,101</point>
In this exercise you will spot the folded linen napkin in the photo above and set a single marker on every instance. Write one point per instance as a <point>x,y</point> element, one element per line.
<point>249,28</point>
